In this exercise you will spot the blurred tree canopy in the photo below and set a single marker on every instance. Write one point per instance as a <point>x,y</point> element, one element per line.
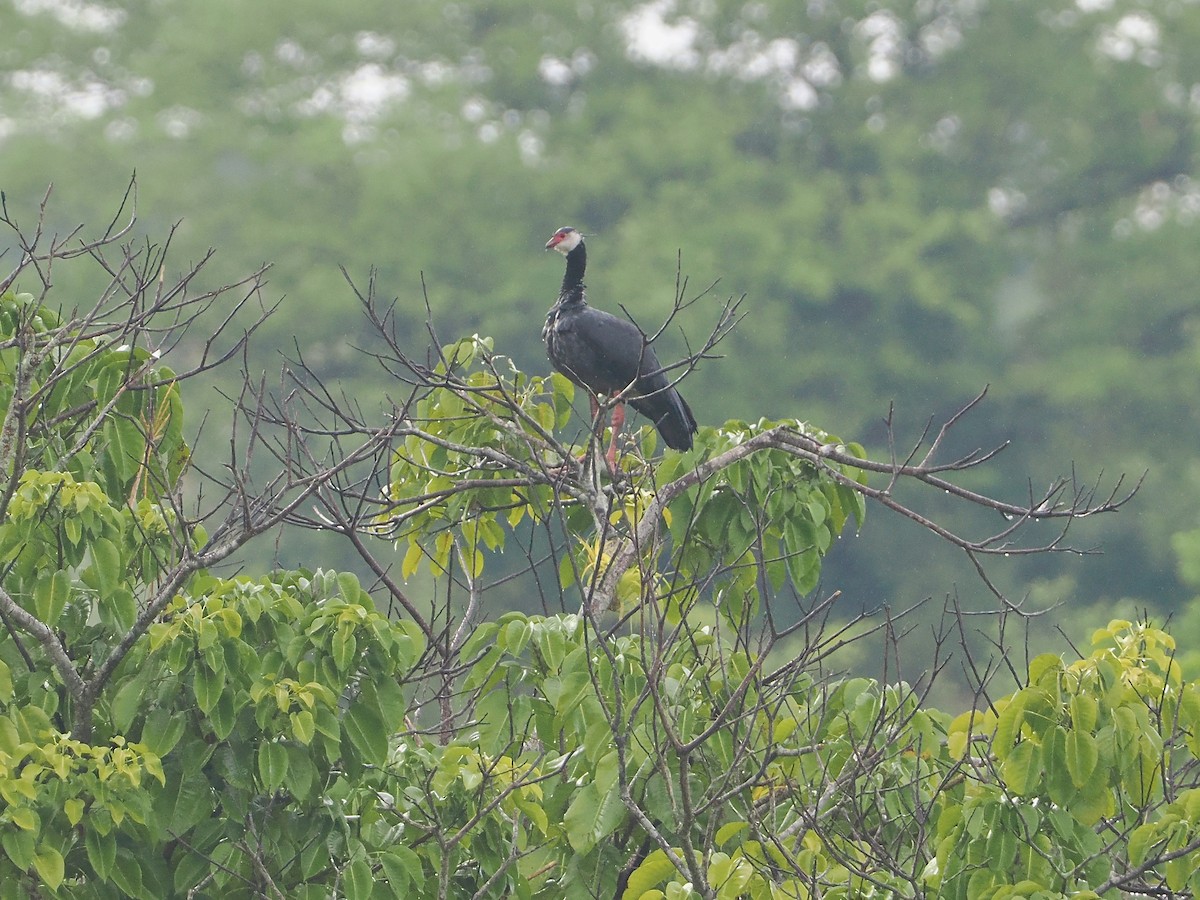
<point>917,199</point>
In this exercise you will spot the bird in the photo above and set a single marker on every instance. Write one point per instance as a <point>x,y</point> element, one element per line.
<point>610,356</point>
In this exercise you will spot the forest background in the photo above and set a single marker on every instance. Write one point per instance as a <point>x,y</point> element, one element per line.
<point>918,200</point>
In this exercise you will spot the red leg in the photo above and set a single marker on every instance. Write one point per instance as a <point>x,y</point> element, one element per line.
<point>618,419</point>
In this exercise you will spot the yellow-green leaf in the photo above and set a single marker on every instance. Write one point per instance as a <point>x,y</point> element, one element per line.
<point>412,559</point>
<point>25,818</point>
<point>49,865</point>
<point>50,596</point>
<point>1021,768</point>
<point>1082,755</point>
<point>74,810</point>
<point>654,870</point>
<point>303,726</point>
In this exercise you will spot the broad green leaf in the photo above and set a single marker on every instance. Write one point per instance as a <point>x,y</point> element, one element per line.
<point>1059,783</point>
<point>25,818</point>
<point>190,869</point>
<point>19,845</point>
<point>126,446</point>
<point>127,701</point>
<point>1082,756</point>
<point>349,587</point>
<point>162,731</point>
<point>345,647</point>
<point>304,726</point>
<point>728,831</point>
<point>207,686</point>
<point>50,596</point>
<point>301,773</point>
<point>592,816</point>
<point>731,878</point>
<point>1021,768</point>
<point>363,723</point>
<point>101,851</point>
<point>119,608</point>
<point>223,715</point>
<point>1008,724</point>
<point>74,810</point>
<point>272,764</point>
<point>50,867</point>
<point>106,568</point>
<point>1178,870</point>
<point>1093,802</point>
<point>653,871</point>
<point>574,682</point>
<point>1040,665</point>
<point>358,882</point>
<point>412,559</point>
<point>1084,712</point>
<point>127,873</point>
<point>402,866</point>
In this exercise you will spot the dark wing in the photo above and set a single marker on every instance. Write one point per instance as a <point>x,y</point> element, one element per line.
<point>607,354</point>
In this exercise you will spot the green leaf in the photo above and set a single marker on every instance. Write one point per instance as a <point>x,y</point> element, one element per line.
<point>19,845</point>
<point>162,731</point>
<point>654,870</point>
<point>106,568</point>
<point>26,819</point>
<point>49,865</point>
<point>1059,783</point>
<point>190,870</point>
<point>126,446</point>
<point>304,726</point>
<point>101,851</point>
<point>358,882</point>
<point>592,816</point>
<point>301,773</point>
<point>728,831</point>
<point>1178,870</point>
<point>363,724</point>
<point>1084,711</point>
<point>1021,768</point>
<point>412,559</point>
<point>1008,724</point>
<point>50,596</point>
<point>729,876</point>
<point>344,646</point>
<point>74,810</point>
<point>1042,664</point>
<point>574,682</point>
<point>1093,802</point>
<point>126,702</point>
<point>1082,756</point>
<point>119,609</point>
<point>349,587</point>
<point>402,867</point>
<point>536,813</point>
<point>272,764</point>
<point>207,686</point>
<point>127,874</point>
<point>223,716</point>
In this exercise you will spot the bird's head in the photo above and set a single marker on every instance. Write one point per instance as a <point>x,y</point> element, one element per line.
<point>564,240</point>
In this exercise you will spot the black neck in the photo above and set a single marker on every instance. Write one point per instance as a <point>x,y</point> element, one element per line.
<point>572,284</point>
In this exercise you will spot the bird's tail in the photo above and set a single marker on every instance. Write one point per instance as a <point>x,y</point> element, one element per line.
<point>673,418</point>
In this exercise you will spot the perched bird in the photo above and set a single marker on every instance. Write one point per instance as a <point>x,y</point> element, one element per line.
<point>610,356</point>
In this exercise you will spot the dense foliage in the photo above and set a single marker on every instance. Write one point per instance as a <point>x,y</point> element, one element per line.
<point>918,199</point>
<point>166,730</point>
